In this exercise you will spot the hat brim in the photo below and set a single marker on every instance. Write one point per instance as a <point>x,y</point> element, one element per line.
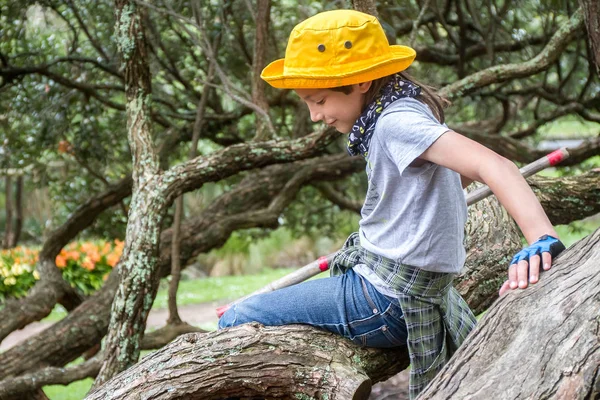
<point>399,59</point>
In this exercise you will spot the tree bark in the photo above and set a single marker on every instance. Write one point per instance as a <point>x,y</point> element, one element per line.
<point>591,11</point>
<point>174,317</point>
<point>8,209</point>
<point>18,212</point>
<point>28,383</point>
<point>138,285</point>
<point>365,6</point>
<point>292,361</point>
<point>264,129</point>
<point>541,342</point>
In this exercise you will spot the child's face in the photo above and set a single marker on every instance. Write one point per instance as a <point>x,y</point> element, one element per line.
<point>335,108</point>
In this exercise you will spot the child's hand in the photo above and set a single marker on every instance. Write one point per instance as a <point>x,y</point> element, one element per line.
<point>526,263</point>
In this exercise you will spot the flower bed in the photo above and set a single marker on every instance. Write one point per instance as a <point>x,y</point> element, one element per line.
<point>84,265</point>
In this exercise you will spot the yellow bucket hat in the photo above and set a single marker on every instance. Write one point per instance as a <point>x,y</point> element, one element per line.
<point>336,48</point>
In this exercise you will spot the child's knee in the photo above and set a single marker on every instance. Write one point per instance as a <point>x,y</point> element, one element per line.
<point>228,319</point>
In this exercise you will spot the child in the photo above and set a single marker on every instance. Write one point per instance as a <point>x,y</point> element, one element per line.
<point>392,282</point>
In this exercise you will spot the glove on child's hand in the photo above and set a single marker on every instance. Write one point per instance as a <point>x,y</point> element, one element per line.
<point>545,243</point>
<point>525,266</point>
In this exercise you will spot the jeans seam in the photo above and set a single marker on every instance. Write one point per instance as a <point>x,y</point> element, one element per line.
<point>368,297</point>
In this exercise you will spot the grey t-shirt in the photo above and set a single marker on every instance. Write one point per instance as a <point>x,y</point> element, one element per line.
<point>414,215</point>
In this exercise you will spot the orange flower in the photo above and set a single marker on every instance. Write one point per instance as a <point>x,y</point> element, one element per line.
<point>60,261</point>
<point>94,256</point>
<point>88,264</point>
<point>112,259</point>
<point>87,247</point>
<point>106,248</point>
<point>73,255</point>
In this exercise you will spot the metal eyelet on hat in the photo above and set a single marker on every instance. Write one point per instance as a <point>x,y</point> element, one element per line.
<point>348,44</point>
<point>321,47</point>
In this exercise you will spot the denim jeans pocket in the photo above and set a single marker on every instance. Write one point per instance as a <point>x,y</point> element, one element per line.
<point>383,336</point>
<point>384,327</point>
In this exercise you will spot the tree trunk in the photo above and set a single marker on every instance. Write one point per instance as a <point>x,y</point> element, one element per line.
<point>18,212</point>
<point>138,285</point>
<point>251,360</point>
<point>264,129</point>
<point>366,6</point>
<point>541,342</point>
<point>174,317</point>
<point>8,209</point>
<point>591,10</point>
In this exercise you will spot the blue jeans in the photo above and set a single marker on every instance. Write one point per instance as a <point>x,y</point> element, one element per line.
<point>347,305</point>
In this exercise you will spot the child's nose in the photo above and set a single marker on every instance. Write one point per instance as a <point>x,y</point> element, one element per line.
<point>316,116</point>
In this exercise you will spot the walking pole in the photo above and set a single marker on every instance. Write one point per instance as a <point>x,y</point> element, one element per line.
<point>323,263</point>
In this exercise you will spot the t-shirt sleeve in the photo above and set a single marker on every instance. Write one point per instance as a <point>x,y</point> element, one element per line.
<point>407,130</point>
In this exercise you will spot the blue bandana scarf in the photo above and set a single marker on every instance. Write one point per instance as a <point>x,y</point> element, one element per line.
<point>360,135</point>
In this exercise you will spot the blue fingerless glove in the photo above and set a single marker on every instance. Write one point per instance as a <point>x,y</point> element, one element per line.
<point>545,243</point>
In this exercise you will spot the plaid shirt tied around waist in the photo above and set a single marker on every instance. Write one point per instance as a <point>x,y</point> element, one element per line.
<point>437,317</point>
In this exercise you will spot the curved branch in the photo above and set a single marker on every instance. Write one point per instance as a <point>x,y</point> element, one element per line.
<point>233,159</point>
<point>547,57</point>
<point>337,198</point>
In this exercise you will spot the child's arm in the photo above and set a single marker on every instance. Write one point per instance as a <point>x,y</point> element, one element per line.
<point>476,162</point>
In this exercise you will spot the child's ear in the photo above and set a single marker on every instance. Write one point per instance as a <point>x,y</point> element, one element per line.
<point>363,87</point>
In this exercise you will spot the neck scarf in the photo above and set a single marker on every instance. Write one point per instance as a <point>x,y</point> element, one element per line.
<point>360,135</point>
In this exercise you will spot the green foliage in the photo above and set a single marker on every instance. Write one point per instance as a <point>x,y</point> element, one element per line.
<point>17,272</point>
<point>576,230</point>
<point>85,266</point>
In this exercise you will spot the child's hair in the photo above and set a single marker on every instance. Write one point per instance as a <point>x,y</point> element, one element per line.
<point>429,94</point>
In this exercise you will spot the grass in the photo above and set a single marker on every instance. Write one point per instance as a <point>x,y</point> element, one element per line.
<point>203,290</point>
<point>75,390</point>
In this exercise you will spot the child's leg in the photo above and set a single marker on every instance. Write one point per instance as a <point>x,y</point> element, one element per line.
<point>347,305</point>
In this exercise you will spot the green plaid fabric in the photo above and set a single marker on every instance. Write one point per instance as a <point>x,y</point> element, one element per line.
<point>437,317</point>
